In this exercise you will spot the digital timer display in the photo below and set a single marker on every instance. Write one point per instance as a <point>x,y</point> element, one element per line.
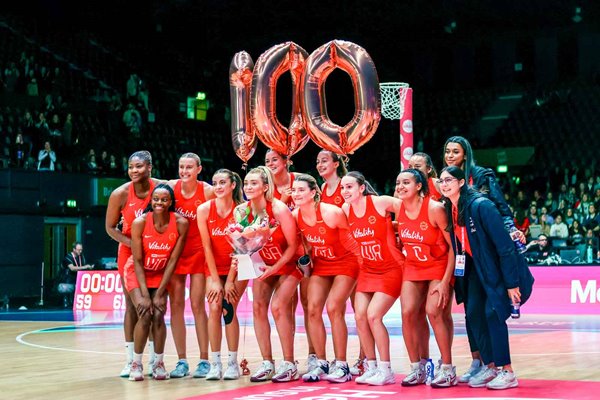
<point>99,290</point>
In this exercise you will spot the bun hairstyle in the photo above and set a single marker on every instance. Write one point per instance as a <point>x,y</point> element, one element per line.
<point>237,194</point>
<point>312,184</point>
<point>143,155</point>
<point>419,178</point>
<point>267,178</point>
<point>360,178</point>
<point>171,194</point>
<point>193,156</point>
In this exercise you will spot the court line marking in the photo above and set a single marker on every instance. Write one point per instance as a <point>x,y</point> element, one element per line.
<point>20,340</point>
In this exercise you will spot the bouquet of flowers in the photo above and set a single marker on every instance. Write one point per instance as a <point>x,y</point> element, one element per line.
<point>247,234</point>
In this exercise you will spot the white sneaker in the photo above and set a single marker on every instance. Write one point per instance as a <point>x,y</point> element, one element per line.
<point>232,372</point>
<point>286,372</point>
<point>126,370</point>
<point>445,378</point>
<point>340,373</point>
<point>382,377</point>
<point>137,372</point>
<point>264,373</point>
<point>483,377</point>
<point>312,362</point>
<point>416,375</point>
<point>159,371</point>
<point>216,371</point>
<point>366,375</point>
<point>359,367</point>
<point>474,369</point>
<point>316,374</point>
<point>504,380</point>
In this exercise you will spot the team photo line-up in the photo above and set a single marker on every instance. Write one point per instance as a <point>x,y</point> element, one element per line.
<point>437,237</point>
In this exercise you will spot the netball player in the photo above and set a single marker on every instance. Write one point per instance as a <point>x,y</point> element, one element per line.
<point>279,281</point>
<point>157,240</point>
<point>324,229</point>
<point>223,289</point>
<point>126,203</point>
<point>428,271</point>
<point>380,276</point>
<point>189,194</point>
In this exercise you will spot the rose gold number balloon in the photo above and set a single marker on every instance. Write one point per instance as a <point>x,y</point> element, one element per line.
<point>357,63</point>
<point>243,135</point>
<point>269,67</point>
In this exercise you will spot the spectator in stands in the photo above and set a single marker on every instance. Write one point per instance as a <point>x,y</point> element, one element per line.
<point>521,201</point>
<point>521,221</point>
<point>592,221</point>
<point>550,203</point>
<point>113,166</point>
<point>20,151</point>
<point>583,205</point>
<point>592,240</point>
<point>49,106</point>
<point>545,224</point>
<point>597,184</point>
<point>576,232</point>
<point>46,158</point>
<point>569,217</point>
<point>104,161</point>
<point>549,217</point>
<point>533,214</point>
<point>538,199</point>
<point>559,228</point>
<point>92,166</point>
<point>42,127</point>
<point>32,86</point>
<point>539,250</point>
<point>132,120</point>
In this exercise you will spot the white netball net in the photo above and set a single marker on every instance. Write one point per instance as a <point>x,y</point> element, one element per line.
<point>393,95</point>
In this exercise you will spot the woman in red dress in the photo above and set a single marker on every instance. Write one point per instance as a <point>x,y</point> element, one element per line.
<point>280,279</point>
<point>189,194</point>
<point>222,287</point>
<point>324,229</point>
<point>428,272</point>
<point>157,240</point>
<point>126,203</point>
<point>380,276</point>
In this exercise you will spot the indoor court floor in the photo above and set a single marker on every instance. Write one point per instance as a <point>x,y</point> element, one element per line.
<point>77,355</point>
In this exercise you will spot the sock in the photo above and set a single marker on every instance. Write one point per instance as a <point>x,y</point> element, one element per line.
<point>129,351</point>
<point>232,357</point>
<point>447,366</point>
<point>151,350</point>
<point>384,365</point>
<point>137,358</point>
<point>215,356</point>
<point>159,357</point>
<point>372,364</point>
<point>417,365</point>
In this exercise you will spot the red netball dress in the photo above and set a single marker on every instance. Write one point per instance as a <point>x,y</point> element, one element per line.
<point>433,193</point>
<point>425,246</point>
<point>191,260</point>
<point>217,229</point>
<point>336,198</point>
<point>329,256</point>
<point>277,195</point>
<point>157,248</point>
<point>134,207</point>
<point>273,250</point>
<point>381,270</point>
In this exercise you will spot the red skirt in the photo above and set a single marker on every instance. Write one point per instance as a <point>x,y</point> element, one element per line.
<point>389,282</point>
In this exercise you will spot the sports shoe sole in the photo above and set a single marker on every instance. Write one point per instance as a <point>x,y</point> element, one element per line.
<point>512,385</point>
<point>339,380</point>
<point>160,377</point>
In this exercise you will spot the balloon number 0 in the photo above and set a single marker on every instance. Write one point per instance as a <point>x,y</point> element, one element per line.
<point>253,109</point>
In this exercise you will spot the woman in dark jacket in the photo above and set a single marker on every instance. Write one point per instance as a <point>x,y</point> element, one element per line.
<point>493,275</point>
<point>458,152</point>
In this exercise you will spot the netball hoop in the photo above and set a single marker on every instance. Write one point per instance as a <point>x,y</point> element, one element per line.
<point>393,97</point>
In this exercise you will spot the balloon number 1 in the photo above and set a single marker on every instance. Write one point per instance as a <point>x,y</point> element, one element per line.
<point>253,109</point>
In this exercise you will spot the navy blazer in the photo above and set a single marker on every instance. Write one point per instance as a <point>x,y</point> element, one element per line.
<point>497,263</point>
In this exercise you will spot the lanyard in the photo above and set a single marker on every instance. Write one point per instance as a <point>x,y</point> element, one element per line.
<point>75,260</point>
